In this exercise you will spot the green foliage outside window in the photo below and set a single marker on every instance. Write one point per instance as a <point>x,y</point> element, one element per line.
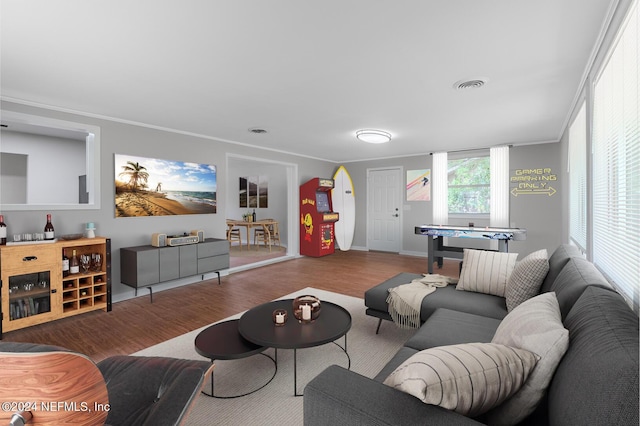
<point>469,185</point>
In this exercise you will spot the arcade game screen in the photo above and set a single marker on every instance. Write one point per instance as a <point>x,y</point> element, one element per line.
<point>322,202</point>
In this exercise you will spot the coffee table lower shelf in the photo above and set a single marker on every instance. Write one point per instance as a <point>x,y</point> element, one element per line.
<point>223,342</point>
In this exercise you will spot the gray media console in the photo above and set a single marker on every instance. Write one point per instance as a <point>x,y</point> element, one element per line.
<point>144,266</point>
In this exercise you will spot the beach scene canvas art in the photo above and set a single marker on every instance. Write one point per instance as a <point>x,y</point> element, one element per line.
<point>155,187</point>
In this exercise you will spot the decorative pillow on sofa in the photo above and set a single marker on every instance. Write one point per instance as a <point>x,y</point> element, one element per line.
<point>486,271</point>
<point>469,378</point>
<point>526,278</point>
<point>536,326</point>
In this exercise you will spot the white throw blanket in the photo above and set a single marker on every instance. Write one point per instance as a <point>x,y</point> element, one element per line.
<point>406,299</point>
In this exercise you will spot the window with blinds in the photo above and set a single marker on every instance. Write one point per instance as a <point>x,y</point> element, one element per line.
<point>616,162</point>
<point>578,179</point>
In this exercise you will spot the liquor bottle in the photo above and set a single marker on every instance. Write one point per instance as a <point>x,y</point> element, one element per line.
<point>48,229</point>
<point>254,215</point>
<point>74,265</point>
<point>65,264</point>
<point>3,231</point>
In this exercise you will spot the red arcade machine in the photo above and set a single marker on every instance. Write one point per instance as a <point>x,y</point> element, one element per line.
<point>316,218</point>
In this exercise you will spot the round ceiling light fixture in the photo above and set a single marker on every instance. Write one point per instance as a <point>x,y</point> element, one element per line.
<point>373,136</point>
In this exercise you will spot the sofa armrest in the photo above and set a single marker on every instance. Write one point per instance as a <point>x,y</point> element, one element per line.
<point>340,396</point>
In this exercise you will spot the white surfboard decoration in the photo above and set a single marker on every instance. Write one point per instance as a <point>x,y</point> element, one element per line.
<point>344,203</point>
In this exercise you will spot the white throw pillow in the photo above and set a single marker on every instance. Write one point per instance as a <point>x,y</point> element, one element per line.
<point>536,326</point>
<point>486,271</point>
<point>469,378</point>
<point>526,278</point>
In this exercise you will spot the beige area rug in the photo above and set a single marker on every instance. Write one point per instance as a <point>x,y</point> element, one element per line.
<point>276,404</point>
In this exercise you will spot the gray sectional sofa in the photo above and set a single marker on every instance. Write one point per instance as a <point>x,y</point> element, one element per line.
<point>595,382</point>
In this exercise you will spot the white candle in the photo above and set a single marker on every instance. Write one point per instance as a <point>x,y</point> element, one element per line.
<point>306,312</point>
<point>279,318</point>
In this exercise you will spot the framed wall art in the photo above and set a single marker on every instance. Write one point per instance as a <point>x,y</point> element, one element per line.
<point>419,185</point>
<point>254,192</point>
<point>155,187</point>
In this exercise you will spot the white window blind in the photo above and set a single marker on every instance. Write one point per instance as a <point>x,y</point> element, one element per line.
<point>578,179</point>
<point>499,164</point>
<point>616,163</point>
<point>440,189</point>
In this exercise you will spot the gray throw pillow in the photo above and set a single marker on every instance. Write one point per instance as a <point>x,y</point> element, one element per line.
<point>526,278</point>
<point>469,378</point>
<point>536,326</point>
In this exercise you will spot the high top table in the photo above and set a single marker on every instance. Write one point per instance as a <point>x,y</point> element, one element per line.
<point>256,325</point>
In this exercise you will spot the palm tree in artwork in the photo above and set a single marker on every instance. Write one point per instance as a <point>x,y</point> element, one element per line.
<point>137,174</point>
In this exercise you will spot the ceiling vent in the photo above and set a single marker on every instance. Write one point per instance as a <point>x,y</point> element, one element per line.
<point>470,84</point>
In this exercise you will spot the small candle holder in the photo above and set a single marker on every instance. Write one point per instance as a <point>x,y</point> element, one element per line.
<point>306,308</point>
<point>279,317</point>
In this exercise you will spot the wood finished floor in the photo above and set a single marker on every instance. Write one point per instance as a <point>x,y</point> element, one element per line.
<point>135,324</point>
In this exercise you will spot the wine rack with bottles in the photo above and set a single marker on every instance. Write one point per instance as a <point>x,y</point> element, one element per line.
<point>33,289</point>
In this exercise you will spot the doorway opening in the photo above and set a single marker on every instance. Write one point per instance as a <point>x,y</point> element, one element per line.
<point>279,203</point>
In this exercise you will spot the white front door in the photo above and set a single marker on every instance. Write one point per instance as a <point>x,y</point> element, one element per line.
<point>384,189</point>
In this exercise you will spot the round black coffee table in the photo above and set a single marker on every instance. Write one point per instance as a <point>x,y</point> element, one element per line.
<point>256,325</point>
<point>222,341</point>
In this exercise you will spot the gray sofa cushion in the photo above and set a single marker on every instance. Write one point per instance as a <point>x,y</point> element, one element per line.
<point>401,356</point>
<point>597,380</point>
<point>448,297</point>
<point>338,396</point>
<point>447,327</point>
<point>558,259</point>
<point>445,297</point>
<point>376,297</point>
<point>575,277</point>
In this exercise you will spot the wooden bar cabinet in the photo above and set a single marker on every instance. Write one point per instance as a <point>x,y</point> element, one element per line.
<point>32,287</point>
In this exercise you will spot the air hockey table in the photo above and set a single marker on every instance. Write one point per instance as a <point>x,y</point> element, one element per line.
<point>437,250</point>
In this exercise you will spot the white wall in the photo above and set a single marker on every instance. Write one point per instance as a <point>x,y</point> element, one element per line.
<point>541,215</point>
<point>542,218</point>
<point>141,141</point>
